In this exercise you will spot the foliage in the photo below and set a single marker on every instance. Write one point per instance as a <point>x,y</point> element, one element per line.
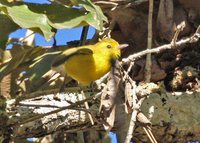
<point>44,19</point>
<point>23,66</point>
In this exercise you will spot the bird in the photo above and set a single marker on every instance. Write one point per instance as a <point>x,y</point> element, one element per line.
<point>88,63</point>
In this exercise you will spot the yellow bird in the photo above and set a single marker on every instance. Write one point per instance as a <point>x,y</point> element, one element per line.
<point>90,62</point>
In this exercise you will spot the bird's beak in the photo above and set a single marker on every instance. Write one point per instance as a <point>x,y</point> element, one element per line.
<point>122,46</point>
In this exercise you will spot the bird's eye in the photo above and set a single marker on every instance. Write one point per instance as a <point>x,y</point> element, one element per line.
<point>108,46</point>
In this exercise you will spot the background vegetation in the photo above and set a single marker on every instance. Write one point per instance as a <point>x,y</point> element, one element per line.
<point>146,98</point>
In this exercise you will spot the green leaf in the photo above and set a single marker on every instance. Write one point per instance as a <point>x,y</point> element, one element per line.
<point>18,54</point>
<point>6,27</point>
<point>26,18</point>
<point>61,17</point>
<point>68,17</point>
<point>41,65</point>
<point>43,18</point>
<point>96,15</point>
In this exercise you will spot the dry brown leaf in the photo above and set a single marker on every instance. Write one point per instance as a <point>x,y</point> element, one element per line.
<point>184,78</point>
<point>142,119</point>
<point>156,72</point>
<point>190,4</point>
<point>128,97</point>
<point>5,86</point>
<point>165,21</point>
<point>133,28</point>
<point>144,89</point>
<point>108,101</point>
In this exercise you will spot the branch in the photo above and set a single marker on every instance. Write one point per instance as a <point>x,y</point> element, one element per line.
<point>149,43</point>
<point>194,38</point>
<point>84,35</point>
<point>180,28</point>
<point>41,116</point>
<point>54,111</point>
<point>134,113</point>
<point>46,92</point>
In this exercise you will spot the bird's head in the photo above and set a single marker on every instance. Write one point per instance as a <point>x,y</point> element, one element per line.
<point>111,47</point>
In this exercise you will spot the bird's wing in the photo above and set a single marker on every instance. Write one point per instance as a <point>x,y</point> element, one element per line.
<point>70,53</point>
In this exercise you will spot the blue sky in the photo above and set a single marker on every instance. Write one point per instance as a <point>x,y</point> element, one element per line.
<point>62,37</point>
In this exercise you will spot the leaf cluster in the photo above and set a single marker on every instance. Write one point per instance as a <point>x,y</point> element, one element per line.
<point>30,63</point>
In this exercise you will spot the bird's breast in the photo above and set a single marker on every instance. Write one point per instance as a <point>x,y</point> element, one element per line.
<point>87,68</point>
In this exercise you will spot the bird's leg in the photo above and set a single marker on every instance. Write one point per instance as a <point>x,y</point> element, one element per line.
<point>87,107</point>
<point>61,89</point>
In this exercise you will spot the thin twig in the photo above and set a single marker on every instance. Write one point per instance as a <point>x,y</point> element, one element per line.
<point>84,35</point>
<point>89,112</point>
<point>133,120</point>
<point>106,33</point>
<point>87,107</point>
<point>149,43</point>
<point>150,135</point>
<point>23,39</point>
<point>58,110</point>
<point>37,105</point>
<point>130,67</point>
<point>126,73</point>
<point>82,42</point>
<point>133,116</point>
<point>194,38</point>
<point>106,2</point>
<point>120,3</point>
<point>127,77</point>
<point>131,127</point>
<point>46,92</point>
<point>180,28</point>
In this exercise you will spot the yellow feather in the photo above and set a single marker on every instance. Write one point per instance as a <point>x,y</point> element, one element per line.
<point>88,63</point>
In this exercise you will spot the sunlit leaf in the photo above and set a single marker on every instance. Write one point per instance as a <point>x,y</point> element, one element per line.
<point>43,18</point>
<point>94,17</point>
<point>96,13</point>
<point>68,17</point>
<point>26,18</point>
<point>61,17</point>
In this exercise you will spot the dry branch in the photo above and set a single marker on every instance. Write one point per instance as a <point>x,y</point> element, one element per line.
<point>149,43</point>
<point>194,38</point>
<point>33,118</point>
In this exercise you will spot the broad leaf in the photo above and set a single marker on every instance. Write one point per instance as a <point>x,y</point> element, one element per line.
<point>68,17</point>
<point>6,27</point>
<point>26,18</point>
<point>97,17</point>
<point>13,61</point>
<point>94,17</point>
<point>41,65</point>
<point>61,17</point>
<point>43,18</point>
<point>16,56</point>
